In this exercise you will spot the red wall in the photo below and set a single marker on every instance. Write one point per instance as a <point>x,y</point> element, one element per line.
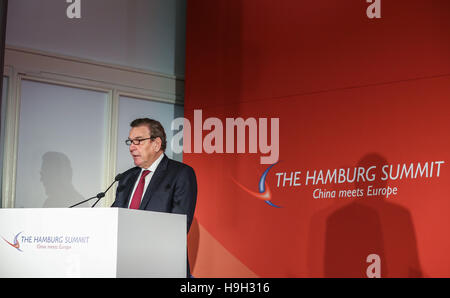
<point>349,91</point>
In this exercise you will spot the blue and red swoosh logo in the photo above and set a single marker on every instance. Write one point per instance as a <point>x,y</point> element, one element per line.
<point>264,192</point>
<point>16,243</point>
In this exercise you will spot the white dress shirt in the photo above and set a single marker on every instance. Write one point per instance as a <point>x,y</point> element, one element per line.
<point>149,176</point>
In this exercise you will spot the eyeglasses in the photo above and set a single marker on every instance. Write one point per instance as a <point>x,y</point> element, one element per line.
<point>137,141</point>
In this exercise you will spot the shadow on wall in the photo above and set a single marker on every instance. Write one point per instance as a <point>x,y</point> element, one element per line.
<point>366,225</point>
<point>56,176</point>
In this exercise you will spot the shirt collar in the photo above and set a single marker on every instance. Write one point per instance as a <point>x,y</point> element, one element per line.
<point>155,164</point>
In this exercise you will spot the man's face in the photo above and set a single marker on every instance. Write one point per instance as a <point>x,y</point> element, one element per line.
<point>147,151</point>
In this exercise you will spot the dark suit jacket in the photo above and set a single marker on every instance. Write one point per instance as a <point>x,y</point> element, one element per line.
<point>172,189</point>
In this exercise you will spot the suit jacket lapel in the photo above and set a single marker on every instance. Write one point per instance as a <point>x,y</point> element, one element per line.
<point>156,180</point>
<point>126,192</point>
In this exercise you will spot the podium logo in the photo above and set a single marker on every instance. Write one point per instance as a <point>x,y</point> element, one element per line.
<point>15,243</point>
<point>264,192</point>
<point>48,242</point>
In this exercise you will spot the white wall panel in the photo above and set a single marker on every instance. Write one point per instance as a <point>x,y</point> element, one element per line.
<point>144,34</point>
<point>61,144</point>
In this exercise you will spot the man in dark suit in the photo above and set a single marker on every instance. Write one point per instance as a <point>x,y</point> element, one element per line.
<point>157,183</point>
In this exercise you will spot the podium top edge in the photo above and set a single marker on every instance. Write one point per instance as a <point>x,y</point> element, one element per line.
<point>85,210</point>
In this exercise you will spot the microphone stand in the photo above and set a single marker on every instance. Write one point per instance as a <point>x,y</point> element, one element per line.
<point>99,196</point>
<point>102,194</point>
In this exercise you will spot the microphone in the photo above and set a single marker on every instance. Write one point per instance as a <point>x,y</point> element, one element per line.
<point>102,194</point>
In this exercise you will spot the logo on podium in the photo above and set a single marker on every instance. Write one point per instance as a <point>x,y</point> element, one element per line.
<point>16,243</point>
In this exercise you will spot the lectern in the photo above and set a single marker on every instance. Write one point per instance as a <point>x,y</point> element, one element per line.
<point>91,242</point>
